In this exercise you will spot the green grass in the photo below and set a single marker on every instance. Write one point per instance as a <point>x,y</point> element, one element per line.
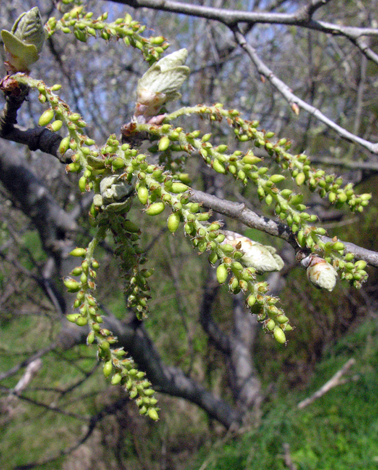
<point>336,432</point>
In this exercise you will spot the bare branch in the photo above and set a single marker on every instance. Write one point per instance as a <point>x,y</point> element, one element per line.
<point>231,18</point>
<point>36,202</point>
<point>294,100</point>
<point>269,226</point>
<point>246,216</point>
<point>302,17</point>
<point>368,166</point>
<point>43,405</point>
<point>108,410</point>
<point>28,375</point>
<point>26,362</point>
<point>165,379</point>
<point>220,339</point>
<point>333,382</point>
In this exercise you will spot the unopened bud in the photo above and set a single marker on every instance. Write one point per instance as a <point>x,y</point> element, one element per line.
<point>46,117</point>
<point>155,208</point>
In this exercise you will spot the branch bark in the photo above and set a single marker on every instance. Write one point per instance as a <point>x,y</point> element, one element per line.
<point>277,229</point>
<point>294,100</point>
<point>165,379</point>
<point>36,202</point>
<point>302,18</point>
<point>54,224</point>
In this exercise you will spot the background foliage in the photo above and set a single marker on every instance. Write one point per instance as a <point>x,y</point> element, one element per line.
<point>68,403</point>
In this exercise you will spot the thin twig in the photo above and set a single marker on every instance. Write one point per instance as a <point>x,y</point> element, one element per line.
<point>294,100</point>
<point>287,457</point>
<point>27,361</point>
<point>333,382</point>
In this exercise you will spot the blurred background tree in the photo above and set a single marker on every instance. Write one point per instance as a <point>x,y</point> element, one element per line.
<point>206,355</point>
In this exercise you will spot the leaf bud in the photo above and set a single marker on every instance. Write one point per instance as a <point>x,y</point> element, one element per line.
<point>361,264</point>
<point>251,159</point>
<point>118,163</point>
<point>227,248</point>
<point>81,321</point>
<point>279,335</point>
<point>153,414</point>
<point>116,379</point>
<point>213,257</point>
<point>221,148</point>
<point>282,318</point>
<point>82,184</point>
<point>248,274</point>
<point>95,264</point>
<point>218,167</point>
<point>72,317</point>
<point>241,174</point>
<point>300,179</point>
<point>79,252</point>
<point>143,194</point>
<point>108,367</point>
<point>164,143</point>
<point>277,178</point>
<point>222,273</point>
<point>338,246</point>
<point>71,284</point>
<point>251,300</point>
<point>178,188</point>
<point>286,193</point>
<point>46,117</point>
<point>320,273</point>
<point>261,192</point>
<point>56,125</point>
<point>73,167</point>
<point>90,338</point>
<point>173,222</point>
<point>155,208</point>
<point>233,284</point>
<point>237,266</point>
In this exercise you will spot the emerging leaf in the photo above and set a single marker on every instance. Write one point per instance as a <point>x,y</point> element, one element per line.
<point>161,83</point>
<point>24,43</point>
<point>262,258</point>
<point>320,273</point>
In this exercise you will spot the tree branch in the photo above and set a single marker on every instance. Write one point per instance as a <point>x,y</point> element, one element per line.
<point>38,138</point>
<point>302,18</point>
<point>220,339</point>
<point>294,100</point>
<point>36,202</point>
<point>165,379</point>
<point>333,382</point>
<point>277,229</point>
<point>108,410</point>
<point>231,18</point>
